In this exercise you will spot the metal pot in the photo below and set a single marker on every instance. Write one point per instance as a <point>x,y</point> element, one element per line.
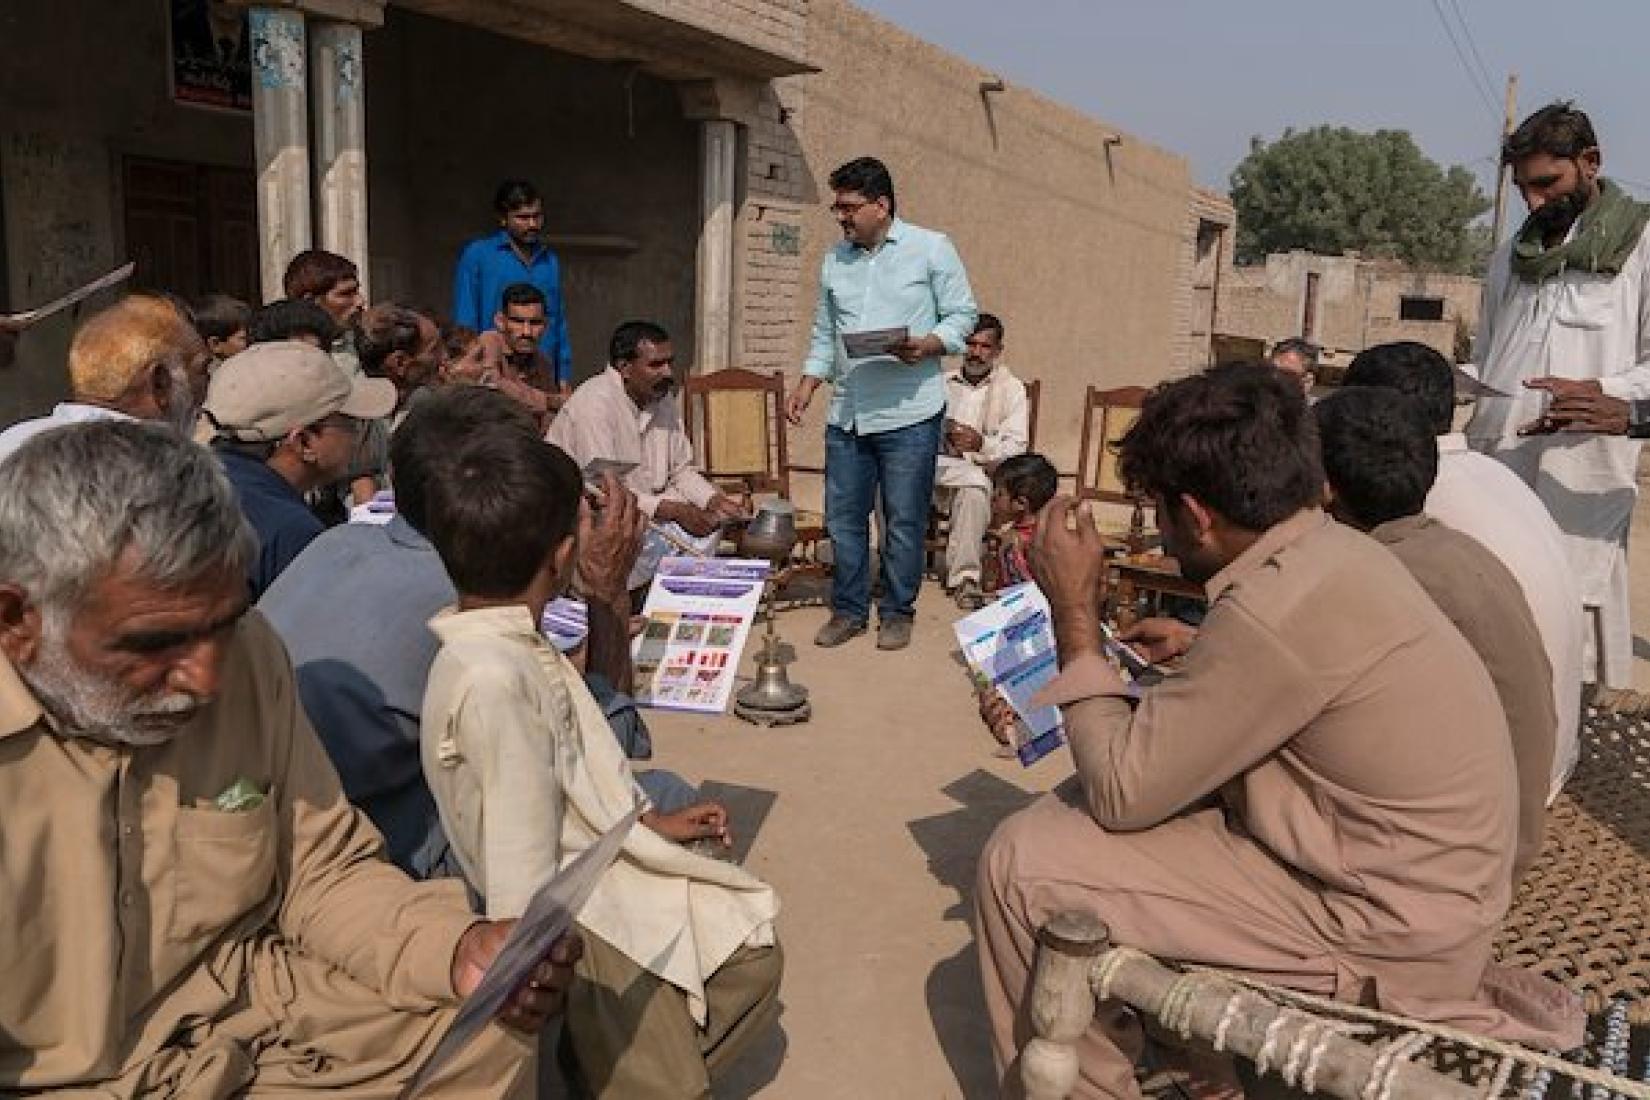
<point>772,534</point>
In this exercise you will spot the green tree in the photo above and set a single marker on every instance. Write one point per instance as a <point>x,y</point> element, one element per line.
<point>1332,190</point>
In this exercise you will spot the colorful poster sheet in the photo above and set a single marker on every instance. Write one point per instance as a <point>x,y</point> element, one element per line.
<point>1009,647</point>
<point>211,54</point>
<point>698,614</point>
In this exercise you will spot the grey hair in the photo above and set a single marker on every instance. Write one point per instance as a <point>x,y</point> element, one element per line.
<point>74,499</point>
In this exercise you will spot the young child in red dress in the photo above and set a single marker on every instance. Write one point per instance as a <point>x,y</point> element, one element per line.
<point>1020,486</point>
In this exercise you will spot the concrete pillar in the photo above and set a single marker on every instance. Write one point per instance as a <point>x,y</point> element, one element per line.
<point>341,142</point>
<point>280,139</point>
<point>718,163</point>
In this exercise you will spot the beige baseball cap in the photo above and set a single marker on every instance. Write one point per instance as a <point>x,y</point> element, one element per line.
<point>270,389</point>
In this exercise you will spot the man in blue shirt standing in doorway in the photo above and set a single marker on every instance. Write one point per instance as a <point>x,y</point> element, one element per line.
<point>887,405</point>
<point>514,254</point>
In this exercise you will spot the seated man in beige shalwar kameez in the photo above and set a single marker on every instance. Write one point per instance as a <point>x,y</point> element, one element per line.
<point>1324,796</point>
<point>188,905</point>
<point>987,420</point>
<point>628,414</point>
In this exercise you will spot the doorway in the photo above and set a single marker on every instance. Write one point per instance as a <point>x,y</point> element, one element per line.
<point>192,228</point>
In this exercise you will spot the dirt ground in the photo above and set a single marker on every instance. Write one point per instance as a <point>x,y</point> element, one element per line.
<point>868,820</point>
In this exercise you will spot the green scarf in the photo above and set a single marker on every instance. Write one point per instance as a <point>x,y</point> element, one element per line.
<point>1607,231</point>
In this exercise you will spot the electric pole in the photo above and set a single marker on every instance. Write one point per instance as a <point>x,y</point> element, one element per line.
<point>1501,170</point>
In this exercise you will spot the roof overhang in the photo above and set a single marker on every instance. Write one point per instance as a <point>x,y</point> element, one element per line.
<point>620,30</point>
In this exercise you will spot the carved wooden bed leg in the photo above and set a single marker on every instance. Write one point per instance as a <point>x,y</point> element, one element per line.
<point>1062,1003</point>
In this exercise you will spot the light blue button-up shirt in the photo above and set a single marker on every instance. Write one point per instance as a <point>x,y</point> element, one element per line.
<point>915,280</point>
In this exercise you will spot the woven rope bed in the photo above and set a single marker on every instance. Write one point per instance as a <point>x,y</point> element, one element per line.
<point>1581,917</point>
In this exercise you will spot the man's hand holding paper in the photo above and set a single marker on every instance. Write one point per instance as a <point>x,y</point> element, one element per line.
<point>870,343</point>
<point>538,998</point>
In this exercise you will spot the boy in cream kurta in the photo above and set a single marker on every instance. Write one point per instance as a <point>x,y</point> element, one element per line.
<point>526,775</point>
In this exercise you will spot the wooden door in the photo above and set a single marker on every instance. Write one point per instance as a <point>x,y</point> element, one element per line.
<point>192,228</point>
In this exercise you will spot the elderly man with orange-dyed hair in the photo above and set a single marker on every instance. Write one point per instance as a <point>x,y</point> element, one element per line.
<point>139,359</point>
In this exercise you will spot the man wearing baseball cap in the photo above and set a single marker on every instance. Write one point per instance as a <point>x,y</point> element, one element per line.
<point>284,419</point>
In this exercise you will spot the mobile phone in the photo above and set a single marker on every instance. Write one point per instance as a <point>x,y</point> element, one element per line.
<point>1132,660</point>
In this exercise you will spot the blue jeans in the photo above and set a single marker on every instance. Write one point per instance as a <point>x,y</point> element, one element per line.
<point>900,466</point>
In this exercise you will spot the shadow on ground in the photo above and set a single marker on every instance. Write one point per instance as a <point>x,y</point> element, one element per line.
<point>748,808</point>
<point>756,1068</point>
<point>952,843</point>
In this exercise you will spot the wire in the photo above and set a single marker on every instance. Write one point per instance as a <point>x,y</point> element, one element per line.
<point>1472,45</point>
<point>1466,66</point>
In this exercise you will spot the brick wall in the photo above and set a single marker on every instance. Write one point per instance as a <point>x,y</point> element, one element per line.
<point>777,25</point>
<point>1077,242</point>
<point>779,199</point>
<point>1358,302</point>
<point>1205,253</point>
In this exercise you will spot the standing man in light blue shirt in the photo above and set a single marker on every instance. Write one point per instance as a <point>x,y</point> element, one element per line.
<point>515,254</point>
<point>887,410</point>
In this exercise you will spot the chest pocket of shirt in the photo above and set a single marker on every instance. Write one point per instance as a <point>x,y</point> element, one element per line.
<point>1588,302</point>
<point>225,867</point>
<point>918,284</point>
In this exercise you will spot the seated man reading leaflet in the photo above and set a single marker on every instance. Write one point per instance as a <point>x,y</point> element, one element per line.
<point>628,415</point>
<point>681,970</point>
<point>188,905</point>
<point>1324,795</point>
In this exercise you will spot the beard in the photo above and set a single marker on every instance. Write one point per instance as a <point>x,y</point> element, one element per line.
<point>1556,217</point>
<point>1175,528</point>
<point>90,706</point>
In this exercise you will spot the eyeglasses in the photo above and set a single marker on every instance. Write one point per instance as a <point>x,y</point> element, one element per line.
<point>342,422</point>
<point>848,209</point>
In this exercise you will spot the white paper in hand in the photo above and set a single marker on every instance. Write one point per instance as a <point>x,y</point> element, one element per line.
<point>548,916</point>
<point>873,342</point>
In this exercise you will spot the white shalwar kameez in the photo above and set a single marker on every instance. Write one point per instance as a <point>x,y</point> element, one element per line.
<point>1577,325</point>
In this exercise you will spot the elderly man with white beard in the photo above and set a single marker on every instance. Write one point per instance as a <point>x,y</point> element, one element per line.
<point>188,904</point>
<point>139,359</point>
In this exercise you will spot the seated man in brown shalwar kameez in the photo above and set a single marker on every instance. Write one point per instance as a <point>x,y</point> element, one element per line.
<point>188,905</point>
<point>1324,796</point>
<point>1381,459</point>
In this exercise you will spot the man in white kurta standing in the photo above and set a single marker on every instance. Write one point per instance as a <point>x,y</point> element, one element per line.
<point>1566,311</point>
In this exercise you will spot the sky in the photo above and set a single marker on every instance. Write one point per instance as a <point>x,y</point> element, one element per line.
<point>1201,77</point>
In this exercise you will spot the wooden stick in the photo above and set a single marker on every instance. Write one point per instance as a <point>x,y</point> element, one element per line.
<point>1071,958</point>
<point>1344,1066</point>
<point>1062,1003</point>
<point>17,322</point>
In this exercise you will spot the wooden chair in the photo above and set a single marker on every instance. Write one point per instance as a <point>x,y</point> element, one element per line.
<point>1136,575</point>
<point>1034,399</point>
<point>736,420</point>
<point>1107,417</point>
